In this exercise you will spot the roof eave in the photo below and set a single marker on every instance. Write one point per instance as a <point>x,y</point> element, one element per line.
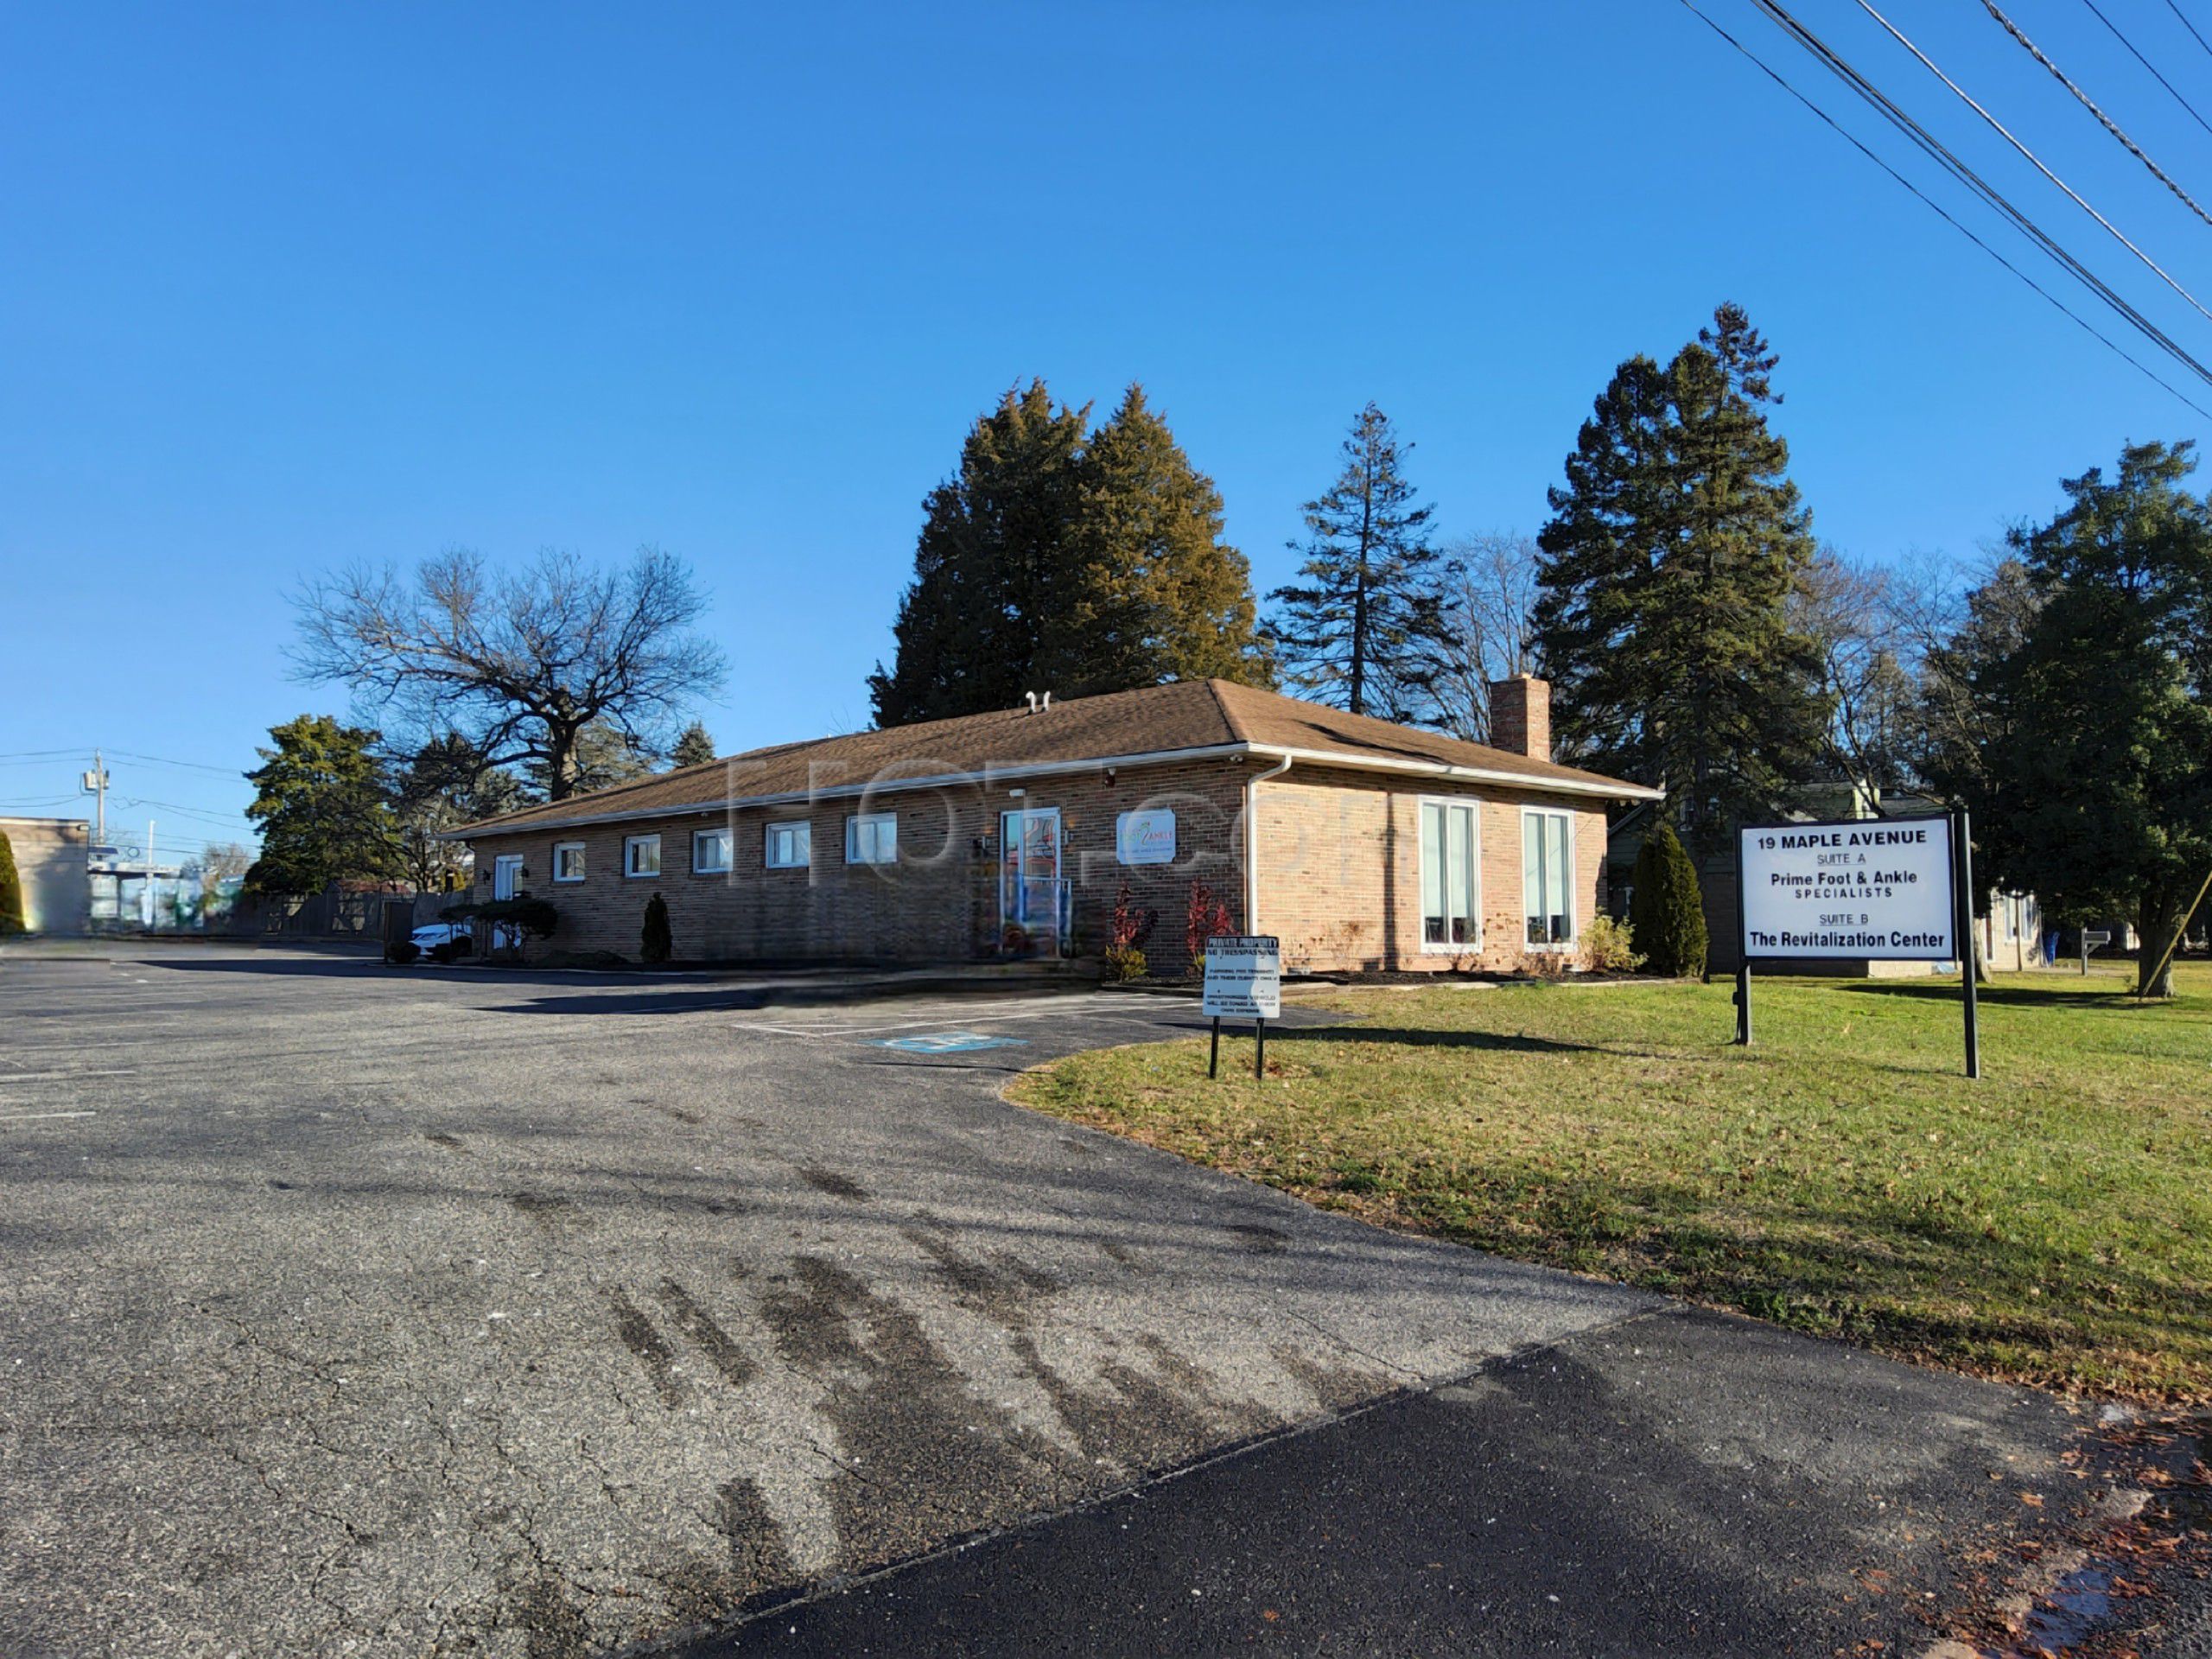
<point>1602,789</point>
<point>1610,789</point>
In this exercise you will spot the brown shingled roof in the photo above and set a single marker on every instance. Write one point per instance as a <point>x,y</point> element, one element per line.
<point>1190,716</point>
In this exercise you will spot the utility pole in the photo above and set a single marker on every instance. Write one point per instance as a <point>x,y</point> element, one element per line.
<point>96,782</point>
<point>153,906</point>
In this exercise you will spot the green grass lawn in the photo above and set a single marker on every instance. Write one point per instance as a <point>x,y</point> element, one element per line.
<point>2051,1223</point>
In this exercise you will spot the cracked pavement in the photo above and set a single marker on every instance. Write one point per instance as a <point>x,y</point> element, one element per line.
<point>363,1310</point>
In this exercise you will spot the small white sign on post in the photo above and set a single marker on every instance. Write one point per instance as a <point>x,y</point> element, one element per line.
<point>1863,887</point>
<point>1243,981</point>
<point>1244,978</point>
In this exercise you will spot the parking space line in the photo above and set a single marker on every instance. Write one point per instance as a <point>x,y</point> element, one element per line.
<point>27,1117</point>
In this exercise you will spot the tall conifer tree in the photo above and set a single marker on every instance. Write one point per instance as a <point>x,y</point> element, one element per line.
<point>1057,559</point>
<point>1669,563</point>
<point>1152,592</point>
<point>1365,628</point>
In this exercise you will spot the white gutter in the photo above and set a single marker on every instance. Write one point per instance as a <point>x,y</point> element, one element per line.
<point>1603,790</point>
<point>989,774</point>
<point>1252,841</point>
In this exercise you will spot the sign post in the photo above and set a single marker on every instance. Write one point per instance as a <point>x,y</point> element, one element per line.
<point>1243,981</point>
<point>1964,885</point>
<point>1900,889</point>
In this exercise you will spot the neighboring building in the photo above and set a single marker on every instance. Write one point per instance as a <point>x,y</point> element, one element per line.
<point>1009,834</point>
<point>51,859</point>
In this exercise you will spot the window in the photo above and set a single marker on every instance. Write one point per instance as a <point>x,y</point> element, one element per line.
<point>1450,883</point>
<point>872,838</point>
<point>790,845</point>
<point>710,852</point>
<point>568,861</point>
<point>1547,876</point>
<point>641,855</point>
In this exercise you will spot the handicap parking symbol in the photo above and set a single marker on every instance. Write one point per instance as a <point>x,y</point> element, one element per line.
<point>947,1042</point>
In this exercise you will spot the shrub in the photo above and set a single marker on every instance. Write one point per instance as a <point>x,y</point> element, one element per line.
<point>1609,947</point>
<point>656,945</point>
<point>1666,914</point>
<point>11,891</point>
<point>1125,936</point>
<point>1205,918</point>
<point>402,954</point>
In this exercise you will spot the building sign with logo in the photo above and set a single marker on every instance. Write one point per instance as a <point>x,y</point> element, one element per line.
<point>1145,837</point>
<point>1869,887</point>
<point>1243,978</point>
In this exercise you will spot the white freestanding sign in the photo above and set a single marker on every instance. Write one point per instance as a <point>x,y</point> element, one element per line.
<point>1243,981</point>
<point>1244,978</point>
<point>1865,888</point>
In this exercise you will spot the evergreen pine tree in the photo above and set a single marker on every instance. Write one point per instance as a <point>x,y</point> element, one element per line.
<point>2094,725</point>
<point>12,919</point>
<point>321,803</point>
<point>993,539</point>
<point>1665,911</point>
<point>693,747</point>
<point>1151,593</point>
<point>1364,627</point>
<point>1669,563</point>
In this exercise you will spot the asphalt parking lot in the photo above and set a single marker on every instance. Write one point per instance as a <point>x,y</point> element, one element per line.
<point>360,1311</point>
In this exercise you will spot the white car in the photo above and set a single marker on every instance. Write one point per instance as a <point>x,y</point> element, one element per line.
<point>454,939</point>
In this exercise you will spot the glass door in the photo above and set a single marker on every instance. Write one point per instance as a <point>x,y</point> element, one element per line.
<point>1029,877</point>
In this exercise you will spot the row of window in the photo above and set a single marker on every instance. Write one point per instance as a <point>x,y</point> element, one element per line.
<point>870,838</point>
<point>1451,871</point>
<point>1451,876</point>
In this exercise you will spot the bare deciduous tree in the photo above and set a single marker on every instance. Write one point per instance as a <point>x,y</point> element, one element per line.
<point>1488,594</point>
<point>521,661</point>
<point>1857,617</point>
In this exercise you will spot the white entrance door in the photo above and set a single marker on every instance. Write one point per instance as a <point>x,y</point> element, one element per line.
<point>504,868</point>
<point>1029,874</point>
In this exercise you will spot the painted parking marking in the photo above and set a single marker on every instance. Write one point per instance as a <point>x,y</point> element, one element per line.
<point>27,1117</point>
<point>948,1042</point>
<point>833,1026</point>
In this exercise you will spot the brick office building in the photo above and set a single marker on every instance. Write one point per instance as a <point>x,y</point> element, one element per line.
<point>1377,846</point>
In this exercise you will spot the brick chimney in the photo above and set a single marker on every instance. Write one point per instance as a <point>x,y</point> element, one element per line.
<point>1521,716</point>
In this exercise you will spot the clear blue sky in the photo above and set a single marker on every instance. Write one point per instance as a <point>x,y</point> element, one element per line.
<point>286,286</point>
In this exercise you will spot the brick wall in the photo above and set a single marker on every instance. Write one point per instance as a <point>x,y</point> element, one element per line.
<point>1340,870</point>
<point>939,903</point>
<point>1340,876</point>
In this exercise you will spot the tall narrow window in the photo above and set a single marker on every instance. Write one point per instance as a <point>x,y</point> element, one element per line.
<point>1449,881</point>
<point>1547,876</point>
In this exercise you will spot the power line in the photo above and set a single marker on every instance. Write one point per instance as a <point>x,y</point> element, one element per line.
<point>1936,208</point>
<point>189,811</point>
<point>1936,149</point>
<point>194,765</point>
<point>2034,159</point>
<point>2089,104</point>
<point>2147,64</point>
<point>2191,26</point>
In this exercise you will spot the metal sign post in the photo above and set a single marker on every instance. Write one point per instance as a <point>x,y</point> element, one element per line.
<point>1963,846</point>
<point>1243,981</point>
